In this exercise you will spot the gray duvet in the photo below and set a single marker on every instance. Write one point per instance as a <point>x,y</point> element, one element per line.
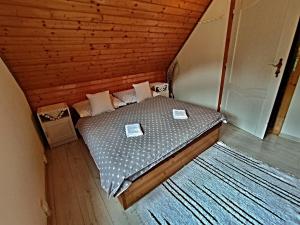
<point>121,160</point>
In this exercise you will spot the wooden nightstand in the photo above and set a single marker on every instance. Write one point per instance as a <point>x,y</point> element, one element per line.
<point>160,88</point>
<point>57,124</point>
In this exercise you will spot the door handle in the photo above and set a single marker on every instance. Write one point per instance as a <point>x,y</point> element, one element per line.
<point>278,67</point>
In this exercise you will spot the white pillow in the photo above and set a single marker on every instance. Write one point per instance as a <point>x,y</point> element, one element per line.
<point>127,96</point>
<point>83,108</point>
<point>142,91</point>
<point>100,102</point>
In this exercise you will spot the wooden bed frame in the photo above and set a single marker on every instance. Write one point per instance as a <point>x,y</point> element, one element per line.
<point>161,172</point>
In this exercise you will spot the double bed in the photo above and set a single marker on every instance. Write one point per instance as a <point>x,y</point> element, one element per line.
<point>131,167</point>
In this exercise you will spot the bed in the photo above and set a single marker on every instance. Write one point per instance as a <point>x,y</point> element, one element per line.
<point>131,167</point>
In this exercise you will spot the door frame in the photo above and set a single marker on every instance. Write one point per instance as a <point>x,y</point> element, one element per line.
<point>286,100</point>
<point>226,52</point>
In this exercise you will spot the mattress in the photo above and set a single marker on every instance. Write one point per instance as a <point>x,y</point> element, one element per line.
<point>121,160</point>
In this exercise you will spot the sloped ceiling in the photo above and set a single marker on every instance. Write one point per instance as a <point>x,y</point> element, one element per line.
<point>58,50</point>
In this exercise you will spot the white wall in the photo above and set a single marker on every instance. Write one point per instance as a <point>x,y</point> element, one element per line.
<point>291,125</point>
<point>21,166</point>
<point>198,74</point>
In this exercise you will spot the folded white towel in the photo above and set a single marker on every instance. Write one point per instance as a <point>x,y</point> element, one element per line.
<point>179,114</point>
<point>133,130</point>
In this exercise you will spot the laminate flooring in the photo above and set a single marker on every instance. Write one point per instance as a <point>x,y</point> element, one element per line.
<point>76,198</point>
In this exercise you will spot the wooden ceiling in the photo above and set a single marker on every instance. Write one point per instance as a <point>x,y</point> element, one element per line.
<point>60,49</point>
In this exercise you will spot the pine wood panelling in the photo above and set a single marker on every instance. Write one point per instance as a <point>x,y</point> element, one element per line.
<point>84,76</point>
<point>74,92</point>
<point>87,58</point>
<point>58,50</point>
<point>63,24</point>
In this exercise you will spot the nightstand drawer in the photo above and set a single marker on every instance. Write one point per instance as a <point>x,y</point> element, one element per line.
<point>59,130</point>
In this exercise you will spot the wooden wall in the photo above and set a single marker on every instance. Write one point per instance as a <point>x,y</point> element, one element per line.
<point>58,50</point>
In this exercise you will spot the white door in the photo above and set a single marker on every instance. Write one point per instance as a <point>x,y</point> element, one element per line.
<point>263,32</point>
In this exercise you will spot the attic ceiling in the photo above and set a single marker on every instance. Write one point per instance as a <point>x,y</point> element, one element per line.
<point>59,45</point>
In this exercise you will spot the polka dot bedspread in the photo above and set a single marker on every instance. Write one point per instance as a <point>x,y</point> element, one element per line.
<point>121,160</point>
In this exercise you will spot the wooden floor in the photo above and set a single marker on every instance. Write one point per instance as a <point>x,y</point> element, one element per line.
<point>75,195</point>
<point>275,151</point>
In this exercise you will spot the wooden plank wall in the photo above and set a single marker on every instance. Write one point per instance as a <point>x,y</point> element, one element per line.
<point>58,50</point>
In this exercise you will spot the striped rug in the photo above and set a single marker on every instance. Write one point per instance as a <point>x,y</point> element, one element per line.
<point>223,186</point>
